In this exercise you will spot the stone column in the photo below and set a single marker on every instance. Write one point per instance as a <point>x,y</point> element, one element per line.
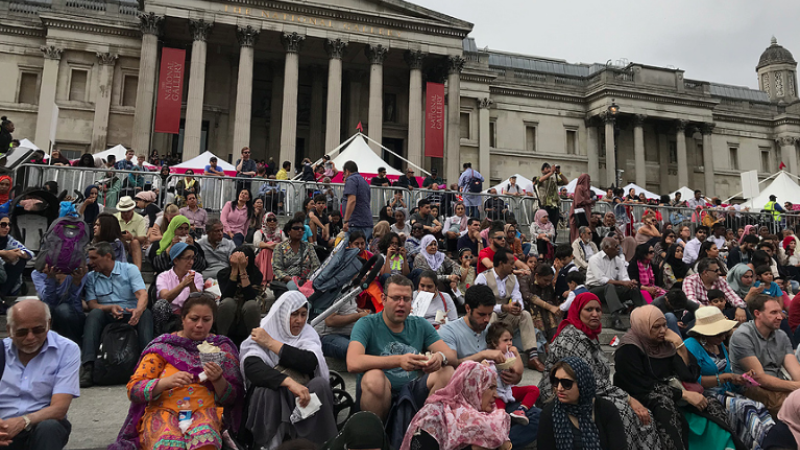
<point>291,75</point>
<point>47,96</point>
<point>708,158</point>
<point>788,152</point>
<point>415,60</point>
<point>455,64</point>
<point>484,141</point>
<point>683,163</point>
<point>199,29</point>
<point>356,78</point>
<point>592,150</point>
<point>150,25</point>
<point>333,118</point>
<point>247,37</point>
<point>102,103</point>
<point>376,54</point>
<point>611,156</point>
<point>276,108</point>
<point>638,150</point>
<point>316,145</point>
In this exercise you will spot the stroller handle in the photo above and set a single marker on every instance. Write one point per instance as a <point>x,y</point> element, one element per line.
<point>373,265</point>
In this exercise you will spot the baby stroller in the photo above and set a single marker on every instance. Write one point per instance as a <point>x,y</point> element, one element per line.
<point>31,213</point>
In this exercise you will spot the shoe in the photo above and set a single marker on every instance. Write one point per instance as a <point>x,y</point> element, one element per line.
<point>519,417</point>
<point>535,364</point>
<point>86,375</point>
<point>616,323</point>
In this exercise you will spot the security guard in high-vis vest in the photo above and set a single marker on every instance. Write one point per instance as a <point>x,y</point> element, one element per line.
<point>773,207</point>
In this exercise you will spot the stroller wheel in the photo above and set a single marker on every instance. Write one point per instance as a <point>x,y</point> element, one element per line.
<point>336,380</point>
<point>343,407</point>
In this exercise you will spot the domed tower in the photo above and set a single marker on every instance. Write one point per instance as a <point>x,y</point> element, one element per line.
<point>777,73</point>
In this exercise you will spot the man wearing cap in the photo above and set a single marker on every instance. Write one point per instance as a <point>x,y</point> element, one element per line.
<point>513,188</point>
<point>212,169</point>
<point>432,179</point>
<point>115,292</point>
<point>408,180</point>
<point>132,224</point>
<point>774,208</point>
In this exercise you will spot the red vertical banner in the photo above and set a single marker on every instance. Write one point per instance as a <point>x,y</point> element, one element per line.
<point>434,121</point>
<point>170,91</point>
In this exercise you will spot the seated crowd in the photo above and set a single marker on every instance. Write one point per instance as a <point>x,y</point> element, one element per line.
<point>439,341</point>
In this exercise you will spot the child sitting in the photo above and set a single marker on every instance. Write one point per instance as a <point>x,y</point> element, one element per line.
<point>575,282</point>
<point>467,278</point>
<point>564,265</point>
<point>498,337</point>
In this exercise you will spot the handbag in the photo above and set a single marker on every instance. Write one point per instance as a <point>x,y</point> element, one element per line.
<point>580,217</point>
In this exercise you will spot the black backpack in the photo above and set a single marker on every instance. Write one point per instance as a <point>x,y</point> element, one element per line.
<point>118,355</point>
<point>474,184</point>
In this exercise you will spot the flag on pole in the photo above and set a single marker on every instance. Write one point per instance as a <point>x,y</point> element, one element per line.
<point>360,127</point>
<point>782,166</point>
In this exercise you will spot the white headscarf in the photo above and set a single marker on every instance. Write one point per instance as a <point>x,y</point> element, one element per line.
<point>277,326</point>
<point>435,260</point>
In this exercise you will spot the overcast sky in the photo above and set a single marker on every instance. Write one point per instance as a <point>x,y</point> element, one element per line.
<point>711,40</point>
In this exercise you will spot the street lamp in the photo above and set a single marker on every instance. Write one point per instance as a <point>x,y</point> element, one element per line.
<point>613,109</point>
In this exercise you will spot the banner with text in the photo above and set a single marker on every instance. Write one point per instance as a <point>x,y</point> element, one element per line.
<point>434,121</point>
<point>170,91</point>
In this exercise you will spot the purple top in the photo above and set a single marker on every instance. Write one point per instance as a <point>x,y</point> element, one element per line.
<point>234,219</point>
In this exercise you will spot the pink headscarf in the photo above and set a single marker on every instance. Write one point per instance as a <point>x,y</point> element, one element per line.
<point>453,414</point>
<point>790,414</point>
<point>747,229</point>
<point>541,214</point>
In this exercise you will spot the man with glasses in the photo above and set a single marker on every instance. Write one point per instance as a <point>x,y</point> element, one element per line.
<point>381,179</point>
<point>408,180</point>
<point>357,215</point>
<point>692,249</point>
<point>607,278</point>
<point>115,292</point>
<point>496,242</point>
<point>216,250</point>
<point>39,380</point>
<point>388,352</point>
<point>708,277</point>
<point>245,168</point>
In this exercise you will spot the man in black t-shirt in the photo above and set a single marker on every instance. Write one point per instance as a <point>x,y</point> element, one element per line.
<point>381,179</point>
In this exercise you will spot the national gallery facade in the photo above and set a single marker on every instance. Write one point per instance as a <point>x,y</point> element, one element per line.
<point>293,79</point>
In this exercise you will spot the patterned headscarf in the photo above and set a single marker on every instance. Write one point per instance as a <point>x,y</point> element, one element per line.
<point>587,388</point>
<point>434,261</point>
<point>454,417</point>
<point>746,231</point>
<point>271,234</point>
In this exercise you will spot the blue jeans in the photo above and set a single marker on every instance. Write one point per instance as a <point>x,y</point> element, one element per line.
<point>366,230</point>
<point>335,346</point>
<point>96,322</point>
<point>68,322</point>
<point>522,435</point>
<point>473,212</point>
<point>672,323</point>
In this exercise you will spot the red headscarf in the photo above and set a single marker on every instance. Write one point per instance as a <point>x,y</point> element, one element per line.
<point>786,241</point>
<point>4,197</point>
<point>574,316</point>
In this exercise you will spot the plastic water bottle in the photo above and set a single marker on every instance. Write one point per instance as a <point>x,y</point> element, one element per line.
<point>185,414</point>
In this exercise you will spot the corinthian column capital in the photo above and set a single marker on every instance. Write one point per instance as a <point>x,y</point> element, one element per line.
<point>455,64</point>
<point>51,52</point>
<point>107,59</point>
<point>200,29</point>
<point>247,36</point>
<point>292,42</point>
<point>335,48</point>
<point>150,23</point>
<point>415,59</point>
<point>376,53</point>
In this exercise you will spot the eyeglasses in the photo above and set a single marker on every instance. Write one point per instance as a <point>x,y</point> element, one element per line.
<point>718,271</point>
<point>23,332</point>
<point>399,299</point>
<point>298,228</point>
<point>500,238</point>
<point>245,153</point>
<point>5,224</point>
<point>565,383</point>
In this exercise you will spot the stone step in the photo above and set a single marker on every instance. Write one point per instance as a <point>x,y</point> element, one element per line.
<point>605,320</point>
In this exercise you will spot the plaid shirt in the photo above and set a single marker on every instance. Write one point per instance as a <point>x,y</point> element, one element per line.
<point>696,291</point>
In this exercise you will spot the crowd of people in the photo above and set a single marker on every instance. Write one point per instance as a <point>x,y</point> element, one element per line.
<point>462,306</point>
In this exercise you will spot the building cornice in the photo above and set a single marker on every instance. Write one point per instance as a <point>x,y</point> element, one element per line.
<point>730,118</point>
<point>84,24</point>
<point>537,94</point>
<point>15,29</point>
<point>653,97</point>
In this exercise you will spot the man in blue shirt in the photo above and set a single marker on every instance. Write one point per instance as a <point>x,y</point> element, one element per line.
<point>387,350</point>
<point>39,380</point>
<point>115,291</point>
<point>127,163</point>
<point>357,215</point>
<point>63,293</point>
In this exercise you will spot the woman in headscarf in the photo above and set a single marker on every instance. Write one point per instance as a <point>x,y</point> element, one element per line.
<point>675,270</point>
<point>283,365</point>
<point>748,229</point>
<point>581,205</point>
<point>577,335</point>
<point>167,381</point>
<point>462,414</point>
<point>430,258</point>
<point>741,278</point>
<point>178,231</point>
<point>146,206</point>
<point>5,188</point>
<point>454,226</point>
<point>653,365</point>
<point>266,239</point>
<point>628,245</point>
<point>513,243</point>
<point>786,432</point>
<point>380,230</point>
<point>160,183</point>
<point>90,208</point>
<point>641,270</point>
<point>86,160</point>
<point>578,413</point>
<point>544,232</point>
<point>239,310</point>
<point>364,430</point>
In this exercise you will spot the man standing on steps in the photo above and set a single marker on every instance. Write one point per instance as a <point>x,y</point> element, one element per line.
<point>245,168</point>
<point>357,215</point>
<point>469,183</point>
<point>607,278</point>
<point>547,189</point>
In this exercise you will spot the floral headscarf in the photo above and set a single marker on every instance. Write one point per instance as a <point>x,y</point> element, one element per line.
<point>271,234</point>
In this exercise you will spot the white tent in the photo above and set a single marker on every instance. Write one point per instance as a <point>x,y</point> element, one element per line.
<point>199,163</point>
<point>25,143</point>
<point>782,186</point>
<point>639,190</point>
<point>572,184</point>
<point>119,152</point>
<point>368,161</point>
<point>522,182</point>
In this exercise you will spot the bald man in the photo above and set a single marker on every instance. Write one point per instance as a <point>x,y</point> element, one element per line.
<point>40,380</point>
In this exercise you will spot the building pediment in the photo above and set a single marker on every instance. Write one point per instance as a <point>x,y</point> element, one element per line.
<point>394,9</point>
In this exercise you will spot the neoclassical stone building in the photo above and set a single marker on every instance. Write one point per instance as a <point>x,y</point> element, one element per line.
<point>292,79</point>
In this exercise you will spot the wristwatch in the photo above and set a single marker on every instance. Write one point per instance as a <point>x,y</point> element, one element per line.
<point>28,424</point>
<point>444,358</point>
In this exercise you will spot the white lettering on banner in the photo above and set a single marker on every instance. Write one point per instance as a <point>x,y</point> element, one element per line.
<point>172,84</point>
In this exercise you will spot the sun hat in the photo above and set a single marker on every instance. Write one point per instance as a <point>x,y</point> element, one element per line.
<point>709,321</point>
<point>126,204</point>
<point>177,249</point>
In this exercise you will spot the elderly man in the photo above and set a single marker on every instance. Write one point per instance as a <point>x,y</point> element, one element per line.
<point>39,380</point>
<point>509,308</point>
<point>408,180</point>
<point>115,291</point>
<point>761,348</point>
<point>583,248</point>
<point>387,351</point>
<point>696,287</point>
<point>607,278</point>
<point>197,216</point>
<point>216,250</point>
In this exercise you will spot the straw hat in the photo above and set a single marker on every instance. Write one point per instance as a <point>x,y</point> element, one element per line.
<point>125,204</point>
<point>709,321</point>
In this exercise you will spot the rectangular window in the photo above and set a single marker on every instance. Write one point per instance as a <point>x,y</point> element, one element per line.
<point>699,158</point>
<point>493,134</point>
<point>733,153</point>
<point>572,142</point>
<point>766,164</point>
<point>530,138</point>
<point>28,88</point>
<point>673,152</point>
<point>464,126</point>
<point>77,85</point>
<point>130,84</point>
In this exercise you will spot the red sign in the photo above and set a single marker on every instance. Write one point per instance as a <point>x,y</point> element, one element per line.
<point>170,91</point>
<point>434,121</point>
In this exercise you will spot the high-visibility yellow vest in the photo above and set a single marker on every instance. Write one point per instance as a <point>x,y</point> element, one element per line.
<point>770,206</point>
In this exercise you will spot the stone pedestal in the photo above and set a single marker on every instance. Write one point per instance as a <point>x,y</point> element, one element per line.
<point>638,150</point>
<point>333,117</point>
<point>708,159</point>
<point>150,24</point>
<point>199,29</point>
<point>291,73</point>
<point>683,163</point>
<point>484,139</point>
<point>415,61</point>
<point>247,37</point>
<point>592,151</point>
<point>102,102</point>
<point>611,156</point>
<point>376,54</point>
<point>455,64</point>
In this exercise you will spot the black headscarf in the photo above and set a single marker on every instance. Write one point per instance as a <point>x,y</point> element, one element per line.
<point>92,211</point>
<point>87,160</point>
<point>362,431</point>
<point>679,268</point>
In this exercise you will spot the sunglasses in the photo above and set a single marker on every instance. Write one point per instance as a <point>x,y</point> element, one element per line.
<point>272,220</point>
<point>5,224</point>
<point>298,228</point>
<point>23,332</point>
<point>564,382</point>
<point>500,238</point>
